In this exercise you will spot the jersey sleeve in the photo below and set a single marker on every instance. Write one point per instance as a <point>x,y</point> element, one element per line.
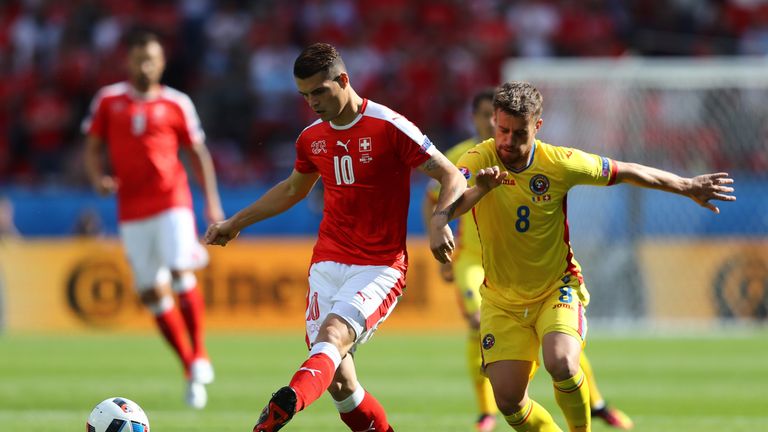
<point>584,168</point>
<point>302,163</point>
<point>95,122</point>
<point>414,147</point>
<point>470,163</point>
<point>190,130</point>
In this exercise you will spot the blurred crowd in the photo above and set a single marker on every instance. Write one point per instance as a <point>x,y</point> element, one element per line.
<point>234,58</point>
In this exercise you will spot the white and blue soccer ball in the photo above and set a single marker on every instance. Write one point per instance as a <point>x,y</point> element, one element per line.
<point>117,414</point>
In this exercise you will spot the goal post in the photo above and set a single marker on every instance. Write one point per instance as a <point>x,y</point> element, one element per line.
<point>647,255</point>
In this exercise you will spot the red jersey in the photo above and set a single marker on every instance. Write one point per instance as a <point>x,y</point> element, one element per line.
<point>143,136</point>
<point>366,172</point>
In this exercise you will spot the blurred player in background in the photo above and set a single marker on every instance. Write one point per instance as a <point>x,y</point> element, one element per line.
<point>364,153</point>
<point>143,124</point>
<point>534,294</point>
<point>465,270</point>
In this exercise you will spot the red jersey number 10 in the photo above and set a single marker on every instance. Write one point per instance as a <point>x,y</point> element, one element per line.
<point>343,169</point>
<point>138,123</point>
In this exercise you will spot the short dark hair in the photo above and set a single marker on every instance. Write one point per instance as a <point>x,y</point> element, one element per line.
<point>483,95</point>
<point>141,38</point>
<point>318,57</point>
<point>518,98</point>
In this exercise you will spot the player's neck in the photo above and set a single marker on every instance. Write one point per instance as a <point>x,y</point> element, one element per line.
<point>521,161</point>
<point>148,92</point>
<point>350,111</point>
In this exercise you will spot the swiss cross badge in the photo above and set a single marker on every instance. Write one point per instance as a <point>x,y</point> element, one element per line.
<point>365,144</point>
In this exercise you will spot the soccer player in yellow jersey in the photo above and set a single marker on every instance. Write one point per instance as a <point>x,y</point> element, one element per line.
<point>534,294</point>
<point>467,274</point>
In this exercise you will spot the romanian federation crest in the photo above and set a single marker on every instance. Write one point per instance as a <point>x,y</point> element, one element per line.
<point>488,341</point>
<point>539,184</point>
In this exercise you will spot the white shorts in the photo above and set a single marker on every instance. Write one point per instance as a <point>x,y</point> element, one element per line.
<point>363,295</point>
<point>161,243</point>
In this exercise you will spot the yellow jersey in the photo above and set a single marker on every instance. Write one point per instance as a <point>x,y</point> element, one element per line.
<point>467,241</point>
<point>522,223</point>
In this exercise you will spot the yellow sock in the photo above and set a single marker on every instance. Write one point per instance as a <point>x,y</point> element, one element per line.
<point>595,397</point>
<point>573,397</point>
<point>485,401</point>
<point>532,418</point>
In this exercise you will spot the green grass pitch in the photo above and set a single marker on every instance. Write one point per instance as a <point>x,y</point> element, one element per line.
<point>678,384</point>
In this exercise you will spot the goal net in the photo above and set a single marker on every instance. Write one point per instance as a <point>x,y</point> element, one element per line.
<point>647,255</point>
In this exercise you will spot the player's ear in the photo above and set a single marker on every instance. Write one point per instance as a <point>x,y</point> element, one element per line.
<point>539,122</point>
<point>342,79</point>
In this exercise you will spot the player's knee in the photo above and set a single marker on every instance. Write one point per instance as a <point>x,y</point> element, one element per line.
<point>338,338</point>
<point>561,354</point>
<point>337,332</point>
<point>183,281</point>
<point>509,403</point>
<point>561,366</point>
<point>156,300</point>
<point>150,296</point>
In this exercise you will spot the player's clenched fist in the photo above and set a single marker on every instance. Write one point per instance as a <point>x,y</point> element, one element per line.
<point>220,233</point>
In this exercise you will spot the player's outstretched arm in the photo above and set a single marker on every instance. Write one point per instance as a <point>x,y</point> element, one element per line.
<point>278,199</point>
<point>702,189</point>
<point>485,180</point>
<point>202,164</point>
<point>452,185</point>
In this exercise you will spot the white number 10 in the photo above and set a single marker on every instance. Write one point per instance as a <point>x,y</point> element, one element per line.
<point>343,168</point>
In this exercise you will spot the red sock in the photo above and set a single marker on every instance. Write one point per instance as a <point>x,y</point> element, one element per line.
<point>193,309</point>
<point>368,416</point>
<point>312,379</point>
<point>172,328</point>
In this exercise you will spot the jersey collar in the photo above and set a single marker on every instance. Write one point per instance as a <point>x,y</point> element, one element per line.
<point>530,159</point>
<point>353,122</point>
<point>143,97</point>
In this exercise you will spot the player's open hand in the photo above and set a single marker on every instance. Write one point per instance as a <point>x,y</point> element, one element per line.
<point>711,187</point>
<point>489,178</point>
<point>441,243</point>
<point>220,233</point>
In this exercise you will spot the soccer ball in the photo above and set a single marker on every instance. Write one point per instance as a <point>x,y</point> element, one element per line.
<point>117,414</point>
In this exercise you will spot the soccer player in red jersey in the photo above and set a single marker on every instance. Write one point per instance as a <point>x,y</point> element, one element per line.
<point>364,153</point>
<point>143,124</point>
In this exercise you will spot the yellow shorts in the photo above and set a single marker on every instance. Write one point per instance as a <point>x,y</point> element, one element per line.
<point>516,333</point>
<point>468,275</point>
